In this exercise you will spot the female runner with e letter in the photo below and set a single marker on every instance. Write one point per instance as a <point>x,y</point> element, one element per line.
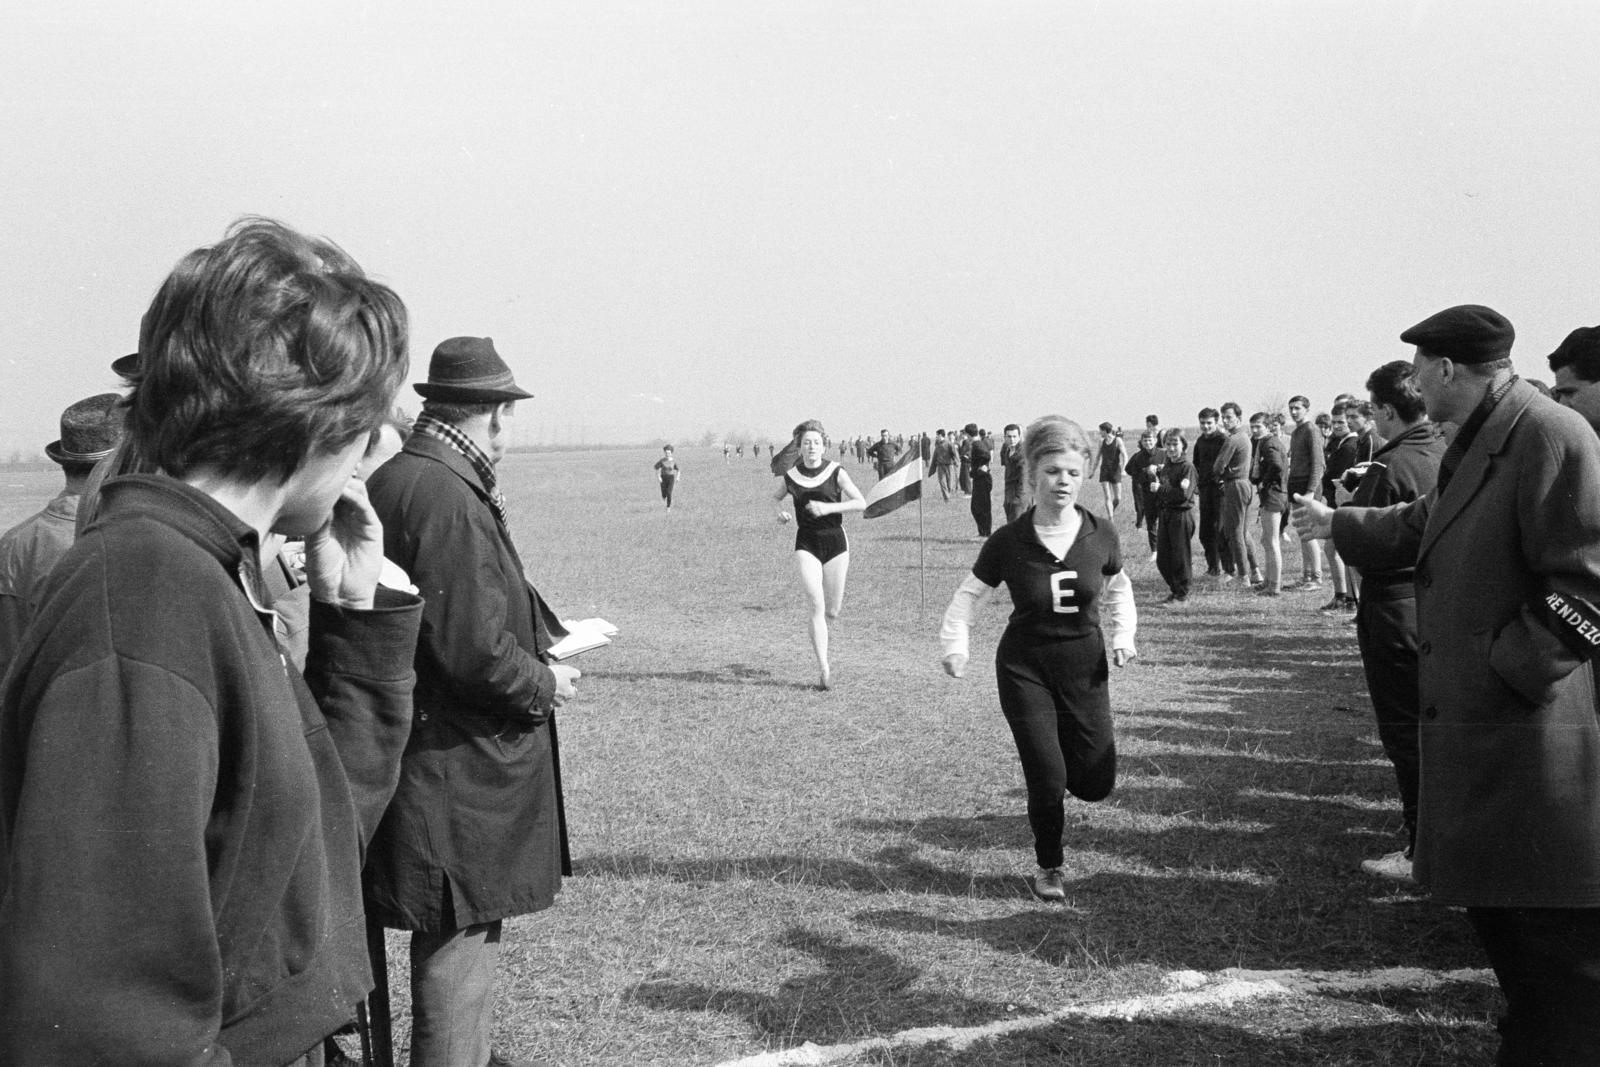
<point>822,493</point>
<point>1063,566</point>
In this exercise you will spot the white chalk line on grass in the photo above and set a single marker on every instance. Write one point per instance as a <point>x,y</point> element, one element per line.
<point>1188,990</point>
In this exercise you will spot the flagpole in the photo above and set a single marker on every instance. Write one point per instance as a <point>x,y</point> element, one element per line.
<point>922,572</point>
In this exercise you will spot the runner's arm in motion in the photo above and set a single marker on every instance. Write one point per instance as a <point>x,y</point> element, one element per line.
<point>853,500</point>
<point>1120,617</point>
<point>957,623</point>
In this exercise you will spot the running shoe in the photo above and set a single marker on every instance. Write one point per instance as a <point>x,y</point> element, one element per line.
<point>1050,884</point>
<point>1396,867</point>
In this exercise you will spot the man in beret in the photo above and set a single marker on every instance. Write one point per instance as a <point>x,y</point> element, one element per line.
<point>90,430</point>
<point>1506,551</point>
<point>476,832</point>
<point>1576,363</point>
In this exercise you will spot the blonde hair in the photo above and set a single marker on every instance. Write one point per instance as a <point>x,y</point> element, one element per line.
<point>1053,433</point>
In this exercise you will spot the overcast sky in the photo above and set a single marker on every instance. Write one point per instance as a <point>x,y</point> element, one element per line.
<point>674,217</point>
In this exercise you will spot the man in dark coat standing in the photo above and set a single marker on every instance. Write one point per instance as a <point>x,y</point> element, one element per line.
<point>1403,470</point>
<point>1506,551</point>
<point>475,833</point>
<point>1204,458</point>
<point>982,481</point>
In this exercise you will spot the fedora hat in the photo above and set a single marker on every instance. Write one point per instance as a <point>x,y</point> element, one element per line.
<point>90,430</point>
<point>467,370</point>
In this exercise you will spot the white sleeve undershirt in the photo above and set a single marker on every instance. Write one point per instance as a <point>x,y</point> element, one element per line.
<point>1118,616</point>
<point>958,616</point>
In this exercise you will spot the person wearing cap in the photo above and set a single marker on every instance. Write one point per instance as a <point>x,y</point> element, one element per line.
<point>476,833</point>
<point>182,816</point>
<point>89,432</point>
<point>978,454</point>
<point>1506,556</point>
<point>1576,363</point>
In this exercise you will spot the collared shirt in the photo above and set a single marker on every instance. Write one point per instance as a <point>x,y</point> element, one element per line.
<point>439,430</point>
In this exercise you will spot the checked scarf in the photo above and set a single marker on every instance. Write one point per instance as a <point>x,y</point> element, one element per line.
<point>429,426</point>
<point>1469,430</point>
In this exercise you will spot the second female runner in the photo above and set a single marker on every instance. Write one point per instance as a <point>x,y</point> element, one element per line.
<point>822,492</point>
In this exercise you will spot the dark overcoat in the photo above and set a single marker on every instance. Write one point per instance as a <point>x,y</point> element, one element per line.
<point>1509,814</point>
<point>476,829</point>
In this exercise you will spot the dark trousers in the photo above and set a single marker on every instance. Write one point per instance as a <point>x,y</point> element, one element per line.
<point>1055,700</point>
<point>1386,632</point>
<point>1015,506</point>
<point>1233,534</point>
<point>1547,961</point>
<point>667,485</point>
<point>982,505</point>
<point>1174,548</point>
<point>964,478</point>
<point>1136,490</point>
<point>944,480</point>
<point>1210,514</point>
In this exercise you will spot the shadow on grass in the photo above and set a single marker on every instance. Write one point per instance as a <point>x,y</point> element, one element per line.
<point>1187,1042</point>
<point>894,869</point>
<point>1189,921</point>
<point>732,674</point>
<point>861,991</point>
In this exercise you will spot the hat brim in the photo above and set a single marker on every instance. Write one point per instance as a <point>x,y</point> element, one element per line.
<point>469,394</point>
<point>63,457</point>
<point>125,366</point>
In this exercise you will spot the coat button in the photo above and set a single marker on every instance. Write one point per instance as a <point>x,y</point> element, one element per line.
<point>1431,713</point>
<point>1425,648</point>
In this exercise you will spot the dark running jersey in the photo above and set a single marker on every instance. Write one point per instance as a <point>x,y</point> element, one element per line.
<point>820,485</point>
<point>1052,598</point>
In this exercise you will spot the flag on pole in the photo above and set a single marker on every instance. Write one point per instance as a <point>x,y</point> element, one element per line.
<point>901,485</point>
<point>784,458</point>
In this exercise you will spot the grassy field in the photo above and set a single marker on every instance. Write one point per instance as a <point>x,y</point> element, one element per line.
<point>761,865</point>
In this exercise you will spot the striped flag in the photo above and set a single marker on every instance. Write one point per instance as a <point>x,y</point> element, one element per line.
<point>901,485</point>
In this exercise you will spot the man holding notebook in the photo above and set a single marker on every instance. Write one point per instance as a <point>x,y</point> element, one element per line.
<point>476,832</point>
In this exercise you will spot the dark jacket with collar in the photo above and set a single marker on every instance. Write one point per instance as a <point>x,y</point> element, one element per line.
<point>182,816</point>
<point>1510,791</point>
<point>1403,470</point>
<point>476,830</point>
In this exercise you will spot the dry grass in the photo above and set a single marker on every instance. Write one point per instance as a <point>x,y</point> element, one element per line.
<point>760,864</point>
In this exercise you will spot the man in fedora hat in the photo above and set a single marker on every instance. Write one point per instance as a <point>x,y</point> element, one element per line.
<point>475,833</point>
<point>89,432</point>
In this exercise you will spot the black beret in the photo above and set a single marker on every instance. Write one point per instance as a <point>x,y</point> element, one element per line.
<point>1581,349</point>
<point>1467,333</point>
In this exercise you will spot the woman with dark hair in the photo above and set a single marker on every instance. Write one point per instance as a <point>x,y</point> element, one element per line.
<point>1172,493</point>
<point>821,493</point>
<point>199,900</point>
<point>1061,563</point>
